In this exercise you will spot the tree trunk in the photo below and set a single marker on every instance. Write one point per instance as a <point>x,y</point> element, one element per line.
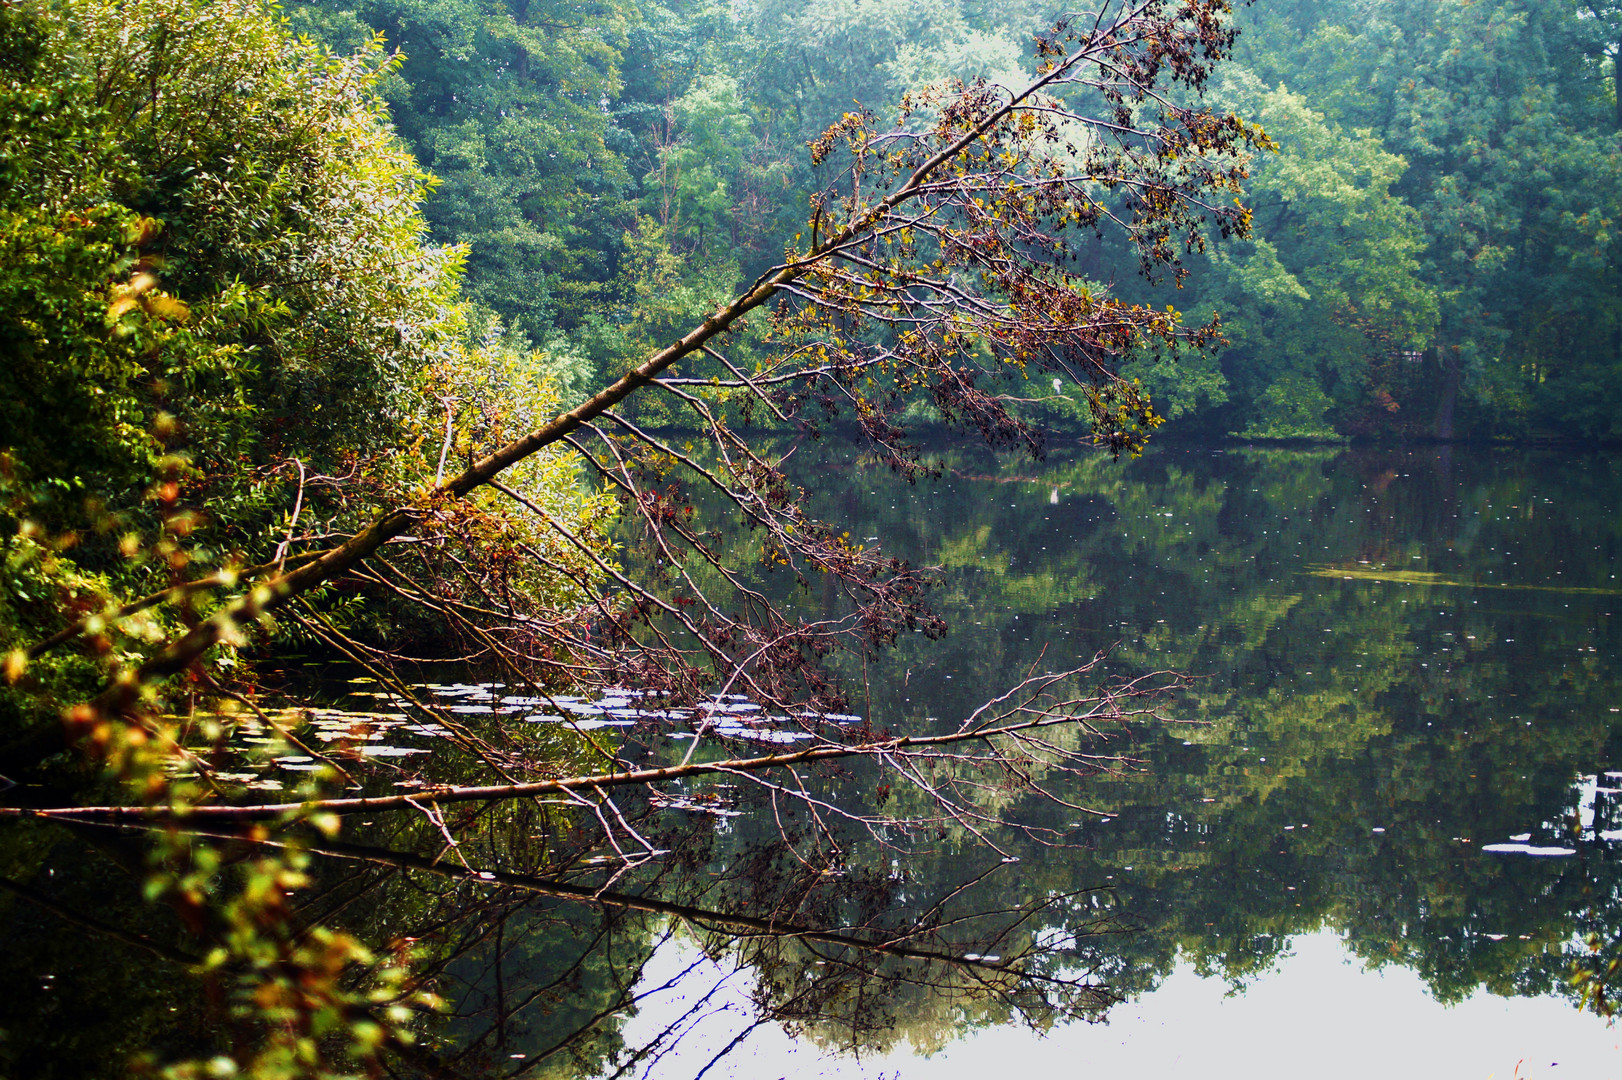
<point>1452,372</point>
<point>1616,82</point>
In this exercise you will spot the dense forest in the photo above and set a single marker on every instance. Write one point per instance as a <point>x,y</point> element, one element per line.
<point>1432,250</point>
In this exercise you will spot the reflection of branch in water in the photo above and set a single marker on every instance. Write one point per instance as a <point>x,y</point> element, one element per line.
<point>806,975</point>
<point>845,979</point>
<point>846,955</point>
<point>628,998</point>
<point>735,925</point>
<point>849,955</point>
<point>673,1031</point>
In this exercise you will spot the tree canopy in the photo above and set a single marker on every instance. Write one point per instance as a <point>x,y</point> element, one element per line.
<point>1461,260</point>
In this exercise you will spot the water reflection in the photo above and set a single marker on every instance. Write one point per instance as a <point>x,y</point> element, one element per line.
<point>1407,711</point>
<point>1315,1007</point>
<point>1363,735</point>
<point>1403,735</point>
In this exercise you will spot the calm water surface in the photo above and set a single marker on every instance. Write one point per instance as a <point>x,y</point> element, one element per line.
<point>1371,839</point>
<point>1387,816</point>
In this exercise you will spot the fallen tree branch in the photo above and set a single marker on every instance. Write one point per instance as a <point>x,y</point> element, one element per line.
<point>736,924</point>
<point>1103,708</point>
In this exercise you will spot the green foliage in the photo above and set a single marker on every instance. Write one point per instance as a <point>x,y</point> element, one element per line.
<point>228,338</point>
<point>657,295</point>
<point>1504,115</point>
<point>1445,188</point>
<point>692,188</point>
<point>62,243</point>
<point>508,105</point>
<point>235,295</point>
<point>1293,407</point>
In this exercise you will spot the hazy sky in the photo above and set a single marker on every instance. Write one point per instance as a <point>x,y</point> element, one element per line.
<point>1295,1023</point>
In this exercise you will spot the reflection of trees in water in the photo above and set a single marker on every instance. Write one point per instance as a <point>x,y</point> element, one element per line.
<point>541,968</point>
<point>897,974</point>
<point>887,941</point>
<point>1446,716</point>
<point>532,918</point>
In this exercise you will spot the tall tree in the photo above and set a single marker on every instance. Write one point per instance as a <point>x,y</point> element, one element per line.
<point>1329,291</point>
<point>1505,117</point>
<point>509,105</point>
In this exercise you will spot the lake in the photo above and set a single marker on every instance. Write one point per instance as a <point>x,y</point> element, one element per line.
<point>1375,831</point>
<point>1380,822</point>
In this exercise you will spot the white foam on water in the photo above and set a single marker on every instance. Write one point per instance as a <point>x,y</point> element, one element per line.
<point>1528,849</point>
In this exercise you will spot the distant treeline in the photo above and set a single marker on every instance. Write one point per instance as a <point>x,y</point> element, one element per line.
<point>1433,251</point>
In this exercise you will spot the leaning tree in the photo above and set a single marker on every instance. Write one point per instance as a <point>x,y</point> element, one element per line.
<point>938,265</point>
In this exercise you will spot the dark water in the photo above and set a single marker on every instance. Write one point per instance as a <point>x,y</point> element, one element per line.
<point>1401,740</point>
<point>1402,749</point>
<point>1407,658</point>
